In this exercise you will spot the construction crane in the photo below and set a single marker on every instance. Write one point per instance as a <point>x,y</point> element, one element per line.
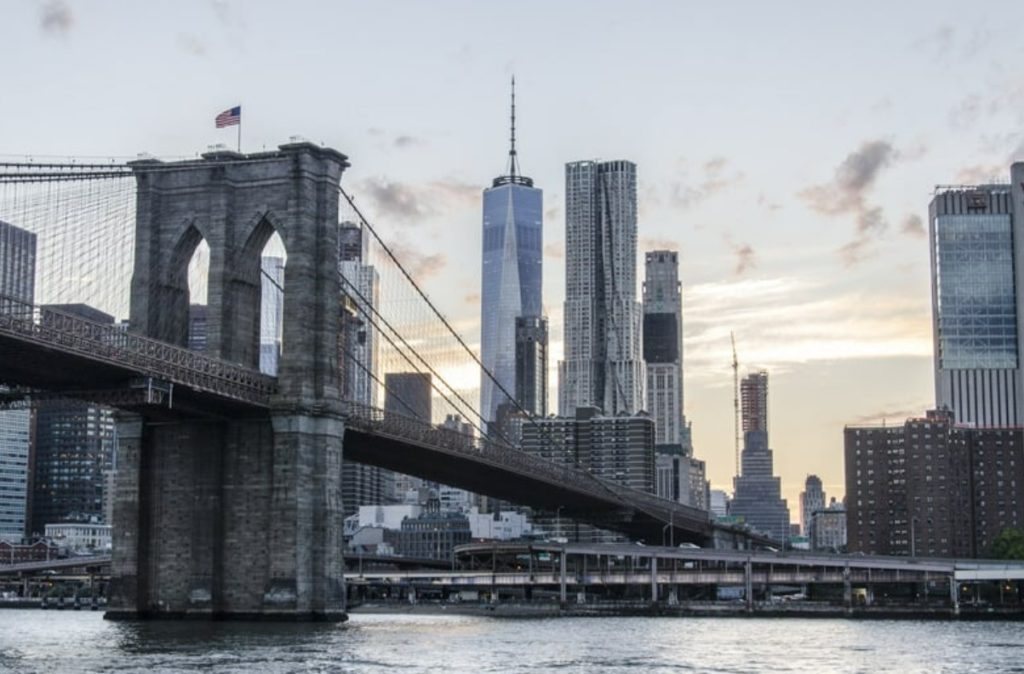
<point>736,402</point>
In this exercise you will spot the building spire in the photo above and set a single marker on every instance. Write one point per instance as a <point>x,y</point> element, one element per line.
<point>513,162</point>
<point>512,175</point>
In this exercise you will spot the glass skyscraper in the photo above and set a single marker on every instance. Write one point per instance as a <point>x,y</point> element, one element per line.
<point>975,235</point>
<point>511,276</point>
<point>17,286</point>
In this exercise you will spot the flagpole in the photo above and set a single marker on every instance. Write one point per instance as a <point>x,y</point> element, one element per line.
<point>239,134</point>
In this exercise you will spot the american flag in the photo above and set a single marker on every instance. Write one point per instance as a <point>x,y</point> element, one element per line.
<point>229,117</point>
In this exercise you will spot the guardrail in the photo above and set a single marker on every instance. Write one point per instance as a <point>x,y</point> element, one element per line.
<point>374,420</point>
<point>115,345</point>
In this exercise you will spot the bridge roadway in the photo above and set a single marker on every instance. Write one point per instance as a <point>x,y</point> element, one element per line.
<point>353,562</point>
<point>515,567</point>
<point>49,352</point>
<point>625,564</point>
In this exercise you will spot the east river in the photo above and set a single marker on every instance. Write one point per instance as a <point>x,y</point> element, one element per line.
<point>54,642</point>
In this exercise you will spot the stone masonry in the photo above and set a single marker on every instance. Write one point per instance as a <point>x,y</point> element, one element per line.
<point>237,517</point>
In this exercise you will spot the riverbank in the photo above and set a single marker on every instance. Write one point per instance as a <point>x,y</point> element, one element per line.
<point>693,610</point>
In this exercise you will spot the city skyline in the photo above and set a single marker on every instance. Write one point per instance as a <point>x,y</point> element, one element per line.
<point>764,243</point>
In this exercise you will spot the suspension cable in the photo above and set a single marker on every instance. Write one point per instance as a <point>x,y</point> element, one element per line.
<point>433,307</point>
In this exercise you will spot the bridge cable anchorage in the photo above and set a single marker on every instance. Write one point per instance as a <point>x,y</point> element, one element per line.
<point>508,396</point>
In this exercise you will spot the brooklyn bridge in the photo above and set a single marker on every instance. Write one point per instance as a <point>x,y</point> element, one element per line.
<point>228,492</point>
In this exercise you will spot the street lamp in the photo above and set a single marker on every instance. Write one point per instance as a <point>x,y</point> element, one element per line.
<point>671,530</point>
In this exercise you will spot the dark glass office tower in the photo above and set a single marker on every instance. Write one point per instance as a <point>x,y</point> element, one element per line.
<point>977,240</point>
<point>17,287</point>
<point>532,364</point>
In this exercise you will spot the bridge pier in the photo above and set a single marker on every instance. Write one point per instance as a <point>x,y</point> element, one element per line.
<point>237,519</point>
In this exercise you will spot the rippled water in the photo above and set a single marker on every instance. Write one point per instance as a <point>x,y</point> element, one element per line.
<point>51,642</point>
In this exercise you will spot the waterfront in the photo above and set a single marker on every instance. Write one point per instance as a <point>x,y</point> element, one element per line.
<point>46,641</point>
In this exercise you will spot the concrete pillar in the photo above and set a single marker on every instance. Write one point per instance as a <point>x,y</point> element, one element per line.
<point>954,594</point>
<point>847,589</point>
<point>561,578</point>
<point>748,583</point>
<point>654,579</point>
<point>128,586</point>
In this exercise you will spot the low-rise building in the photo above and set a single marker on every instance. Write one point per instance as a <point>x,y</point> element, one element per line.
<point>719,503</point>
<point>433,534</point>
<point>828,528</point>
<point>21,553</point>
<point>80,537</point>
<point>679,477</point>
<point>506,525</point>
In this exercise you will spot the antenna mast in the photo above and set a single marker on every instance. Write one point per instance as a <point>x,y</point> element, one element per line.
<point>736,401</point>
<point>512,161</point>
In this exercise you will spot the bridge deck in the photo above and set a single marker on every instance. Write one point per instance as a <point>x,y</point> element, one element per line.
<point>56,351</point>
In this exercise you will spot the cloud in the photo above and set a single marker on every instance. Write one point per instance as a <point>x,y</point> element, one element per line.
<point>472,299</point>
<point>394,200</point>
<point>965,113</point>
<point>191,44</point>
<point>847,192</point>
<point>980,174</point>
<point>419,264</point>
<point>714,178</point>
<point>770,206</point>
<point>402,203</point>
<point>222,9</point>
<point>939,41</point>
<point>855,251</point>
<point>57,18</point>
<point>853,178</point>
<point>746,257</point>
<point>895,414</point>
<point>405,141</point>
<point>657,243</point>
<point>913,226</point>
<point>785,321</point>
<point>883,104</point>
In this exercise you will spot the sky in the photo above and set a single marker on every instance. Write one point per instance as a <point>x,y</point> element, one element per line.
<point>787,150</point>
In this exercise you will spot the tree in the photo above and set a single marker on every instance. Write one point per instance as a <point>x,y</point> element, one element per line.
<point>1009,544</point>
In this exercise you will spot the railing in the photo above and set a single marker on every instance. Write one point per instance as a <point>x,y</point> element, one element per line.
<point>115,345</point>
<point>377,421</point>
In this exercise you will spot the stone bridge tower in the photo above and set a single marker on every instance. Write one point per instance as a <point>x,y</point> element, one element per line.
<point>237,516</point>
